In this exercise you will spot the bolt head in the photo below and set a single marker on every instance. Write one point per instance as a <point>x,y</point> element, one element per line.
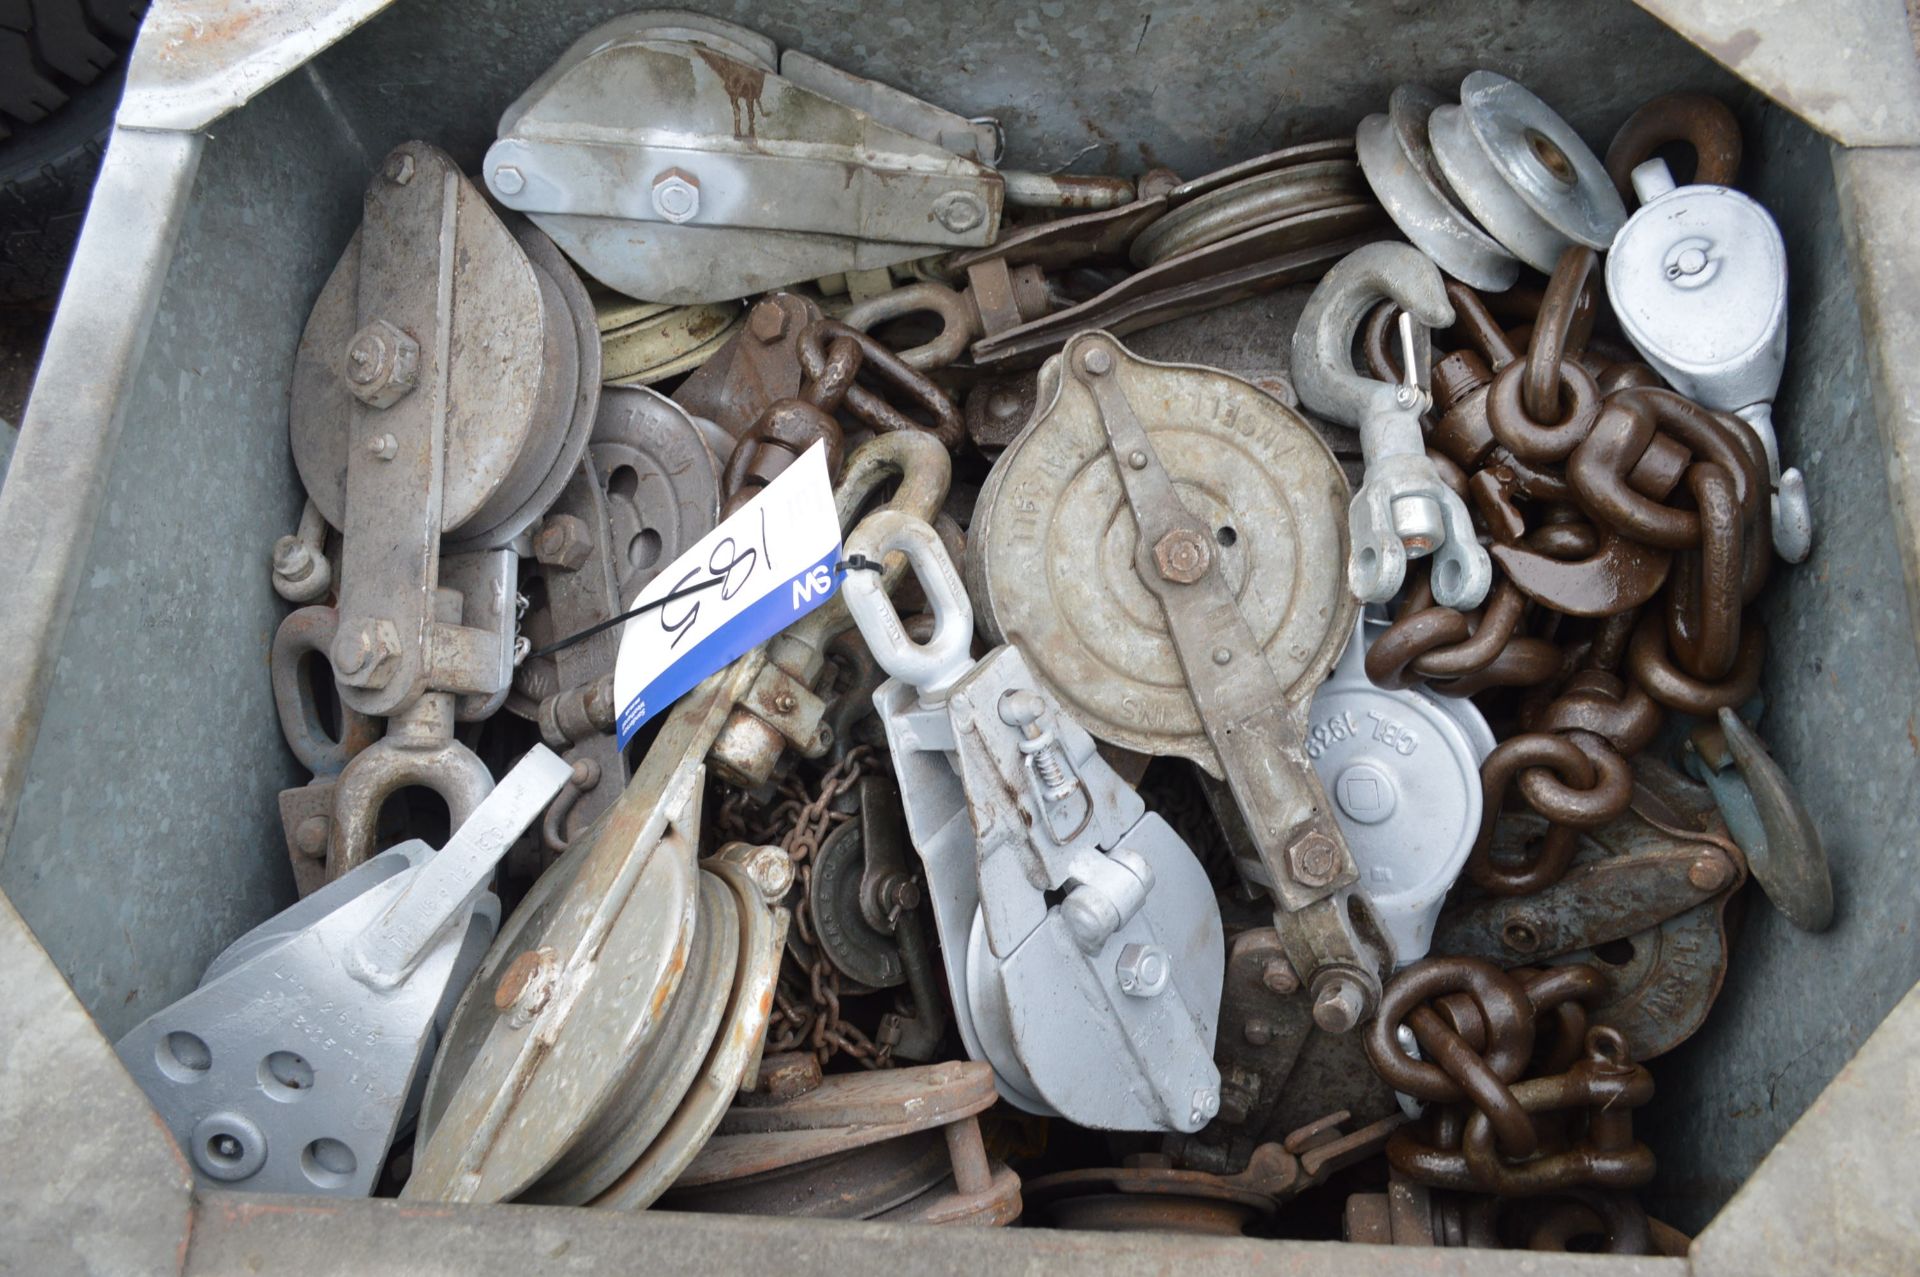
<point>292,559</point>
<point>676,196</point>
<point>1183,556</point>
<point>1098,362</point>
<point>365,656</point>
<point>563,542</point>
<point>1709,873</point>
<point>1222,655</point>
<point>1258,1032</point>
<point>1313,859</point>
<point>310,836</point>
<point>383,447</point>
<point>767,322</point>
<point>524,987</point>
<point>399,169</point>
<point>1278,976</point>
<point>1339,1004</point>
<point>383,364</point>
<point>508,180</point>
<point>959,211</point>
<point>1143,970</point>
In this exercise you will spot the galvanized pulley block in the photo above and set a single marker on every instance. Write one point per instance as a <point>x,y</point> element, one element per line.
<point>1523,172</point>
<point>293,1064</point>
<point>1075,925</point>
<point>1403,770</point>
<point>1403,509</point>
<point>1163,544</point>
<point>1698,279</point>
<point>677,166</point>
<point>1397,157</point>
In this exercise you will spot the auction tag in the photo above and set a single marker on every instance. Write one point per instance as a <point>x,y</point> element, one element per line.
<point>761,570</point>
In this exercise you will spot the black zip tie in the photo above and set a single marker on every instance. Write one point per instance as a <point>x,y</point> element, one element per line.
<point>853,562</point>
<point>624,617</point>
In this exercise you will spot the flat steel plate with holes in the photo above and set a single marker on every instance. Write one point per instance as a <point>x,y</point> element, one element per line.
<point>662,482</point>
<point>1051,559</point>
<point>518,380</point>
<point>602,941</point>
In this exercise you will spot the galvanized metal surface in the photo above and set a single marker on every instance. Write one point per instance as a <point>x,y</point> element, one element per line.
<point>1841,686</point>
<point>280,178</point>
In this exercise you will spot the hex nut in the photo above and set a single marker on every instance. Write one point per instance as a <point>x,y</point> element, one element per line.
<point>1339,1003</point>
<point>768,867</point>
<point>1313,859</point>
<point>366,656</point>
<point>399,169</point>
<point>1143,970</point>
<point>1258,1032</point>
<point>1279,977</point>
<point>508,180</point>
<point>563,542</point>
<point>1183,556</point>
<point>676,196</point>
<point>789,1074</point>
<point>382,364</point>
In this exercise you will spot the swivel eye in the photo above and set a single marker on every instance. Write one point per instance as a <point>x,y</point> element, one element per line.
<point>1404,510</point>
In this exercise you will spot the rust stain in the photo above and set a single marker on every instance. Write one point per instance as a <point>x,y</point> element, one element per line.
<point>744,85</point>
<point>195,36</point>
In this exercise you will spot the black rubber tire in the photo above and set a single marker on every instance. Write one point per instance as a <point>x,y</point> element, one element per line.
<point>61,68</point>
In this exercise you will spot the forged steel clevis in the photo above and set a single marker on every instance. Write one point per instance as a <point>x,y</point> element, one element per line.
<point>1074,923</point>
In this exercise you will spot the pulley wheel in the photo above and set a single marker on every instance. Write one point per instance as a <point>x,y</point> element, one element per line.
<point>850,942</point>
<point>661,479</point>
<point>1051,558</point>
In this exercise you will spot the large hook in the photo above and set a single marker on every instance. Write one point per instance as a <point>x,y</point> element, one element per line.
<point>1403,509</point>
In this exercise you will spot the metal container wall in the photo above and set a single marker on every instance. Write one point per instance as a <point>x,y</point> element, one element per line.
<point>138,804</point>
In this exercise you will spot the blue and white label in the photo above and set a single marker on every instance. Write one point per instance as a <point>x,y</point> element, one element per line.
<point>761,570</point>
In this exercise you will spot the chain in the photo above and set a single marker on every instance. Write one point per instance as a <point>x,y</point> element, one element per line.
<point>806,1005</point>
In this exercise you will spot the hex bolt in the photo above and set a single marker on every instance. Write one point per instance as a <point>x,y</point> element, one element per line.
<point>1339,1003</point>
<point>1143,970</point>
<point>382,364</point>
<point>399,169</point>
<point>1709,873</point>
<point>767,321</point>
<point>1313,859</point>
<point>1258,1032</point>
<point>310,836</point>
<point>564,542</point>
<point>676,196</point>
<point>1098,361</point>
<point>959,211</point>
<point>509,180</point>
<point>784,703</point>
<point>1183,556</point>
<point>768,867</point>
<point>1278,976</point>
<point>383,447</point>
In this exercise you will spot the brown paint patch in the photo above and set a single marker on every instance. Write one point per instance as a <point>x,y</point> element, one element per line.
<point>744,85</point>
